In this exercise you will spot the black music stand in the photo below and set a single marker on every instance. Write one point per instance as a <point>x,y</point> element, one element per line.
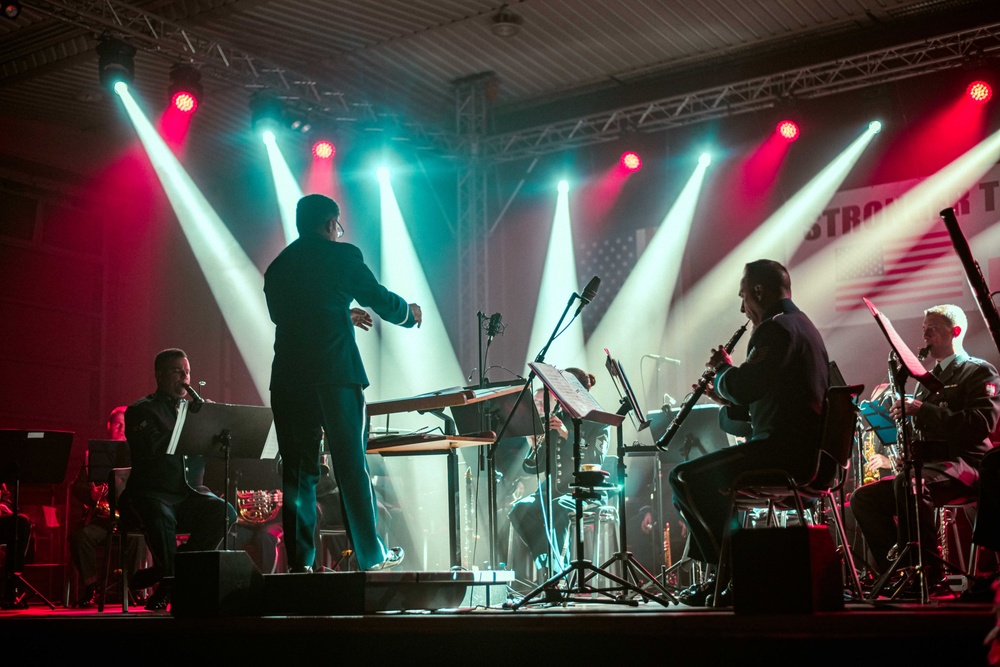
<point>222,431</point>
<point>913,456</point>
<point>32,457</point>
<point>580,405</point>
<point>103,456</point>
<point>633,571</point>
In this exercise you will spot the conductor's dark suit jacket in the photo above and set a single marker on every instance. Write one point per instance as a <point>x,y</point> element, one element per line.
<point>309,288</point>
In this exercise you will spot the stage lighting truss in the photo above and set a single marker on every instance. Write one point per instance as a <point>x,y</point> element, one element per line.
<point>185,88</point>
<point>116,62</point>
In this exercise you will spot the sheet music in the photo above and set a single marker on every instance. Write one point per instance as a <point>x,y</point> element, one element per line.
<point>575,399</point>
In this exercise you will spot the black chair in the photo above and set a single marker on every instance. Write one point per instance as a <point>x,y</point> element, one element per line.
<point>776,490</point>
<point>125,525</point>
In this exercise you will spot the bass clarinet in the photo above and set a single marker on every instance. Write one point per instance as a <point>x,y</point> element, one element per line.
<point>706,377</point>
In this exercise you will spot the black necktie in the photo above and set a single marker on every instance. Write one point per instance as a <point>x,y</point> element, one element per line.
<point>937,369</point>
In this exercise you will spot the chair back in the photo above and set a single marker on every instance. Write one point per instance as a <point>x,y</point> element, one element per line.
<point>839,422</point>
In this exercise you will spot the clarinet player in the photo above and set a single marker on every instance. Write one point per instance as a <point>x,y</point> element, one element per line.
<point>774,399</point>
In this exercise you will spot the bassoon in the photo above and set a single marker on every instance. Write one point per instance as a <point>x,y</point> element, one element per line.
<point>987,308</point>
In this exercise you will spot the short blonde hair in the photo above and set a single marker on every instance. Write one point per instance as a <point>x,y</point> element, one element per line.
<point>955,316</point>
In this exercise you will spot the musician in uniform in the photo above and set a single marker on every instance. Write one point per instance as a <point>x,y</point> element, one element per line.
<point>528,514</point>
<point>165,490</point>
<point>774,399</point>
<point>95,521</point>
<point>955,423</point>
<point>318,379</point>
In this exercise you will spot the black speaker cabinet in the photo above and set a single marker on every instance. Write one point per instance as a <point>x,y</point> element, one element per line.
<point>786,570</point>
<point>216,583</point>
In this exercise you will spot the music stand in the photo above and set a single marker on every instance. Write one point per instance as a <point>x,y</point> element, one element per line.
<point>910,366</point>
<point>32,457</point>
<point>224,431</point>
<point>632,569</point>
<point>103,456</point>
<point>579,405</point>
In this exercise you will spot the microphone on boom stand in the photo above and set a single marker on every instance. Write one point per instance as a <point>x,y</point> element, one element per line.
<point>589,293</point>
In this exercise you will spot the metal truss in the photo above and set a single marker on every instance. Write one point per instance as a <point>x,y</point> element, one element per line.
<point>157,35</point>
<point>868,69</point>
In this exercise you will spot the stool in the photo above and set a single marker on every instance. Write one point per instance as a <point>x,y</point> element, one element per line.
<point>339,561</point>
<point>600,526</point>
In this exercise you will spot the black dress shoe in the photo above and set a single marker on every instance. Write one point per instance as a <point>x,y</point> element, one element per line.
<point>160,598</point>
<point>697,595</point>
<point>89,597</point>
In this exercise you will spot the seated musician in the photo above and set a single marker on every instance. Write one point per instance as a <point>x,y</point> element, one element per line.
<point>95,521</point>
<point>959,419</point>
<point>13,562</point>
<point>775,398</point>
<point>529,514</point>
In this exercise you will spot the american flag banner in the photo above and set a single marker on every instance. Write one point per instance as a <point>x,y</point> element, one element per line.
<point>612,259</point>
<point>908,269</point>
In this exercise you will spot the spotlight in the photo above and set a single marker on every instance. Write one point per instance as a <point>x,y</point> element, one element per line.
<point>788,130</point>
<point>116,62</point>
<point>505,23</point>
<point>563,187</point>
<point>266,113</point>
<point>185,88</point>
<point>324,150</point>
<point>631,161</point>
<point>12,9</point>
<point>704,159</point>
<point>382,173</point>
<point>875,126</point>
<point>979,92</point>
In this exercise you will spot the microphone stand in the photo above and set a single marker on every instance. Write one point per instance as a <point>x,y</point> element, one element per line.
<point>492,448</point>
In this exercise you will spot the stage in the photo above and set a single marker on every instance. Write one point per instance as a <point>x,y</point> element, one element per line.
<point>649,633</point>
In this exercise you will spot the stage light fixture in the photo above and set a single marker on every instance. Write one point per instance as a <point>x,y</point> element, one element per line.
<point>788,130</point>
<point>704,159</point>
<point>631,161</point>
<point>185,88</point>
<point>116,62</point>
<point>979,92</point>
<point>875,126</point>
<point>324,150</point>
<point>12,10</point>
<point>266,113</point>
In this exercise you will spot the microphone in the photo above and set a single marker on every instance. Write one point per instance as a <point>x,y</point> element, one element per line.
<point>494,328</point>
<point>589,293</point>
<point>923,352</point>
<point>193,394</point>
<point>669,360</point>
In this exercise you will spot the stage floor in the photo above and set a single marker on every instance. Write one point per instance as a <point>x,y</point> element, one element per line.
<point>901,633</point>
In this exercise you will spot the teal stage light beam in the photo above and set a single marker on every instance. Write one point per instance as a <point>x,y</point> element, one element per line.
<point>709,312</point>
<point>559,283</point>
<point>647,290</point>
<point>285,186</point>
<point>236,284</point>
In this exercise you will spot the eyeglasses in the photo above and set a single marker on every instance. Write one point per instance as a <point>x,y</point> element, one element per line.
<point>340,229</point>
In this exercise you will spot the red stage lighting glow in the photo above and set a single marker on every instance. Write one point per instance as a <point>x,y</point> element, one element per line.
<point>324,150</point>
<point>184,101</point>
<point>788,130</point>
<point>631,161</point>
<point>979,91</point>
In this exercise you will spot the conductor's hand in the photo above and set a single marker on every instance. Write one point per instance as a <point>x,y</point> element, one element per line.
<point>418,315</point>
<point>361,318</point>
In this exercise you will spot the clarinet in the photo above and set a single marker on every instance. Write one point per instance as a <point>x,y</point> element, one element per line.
<point>706,377</point>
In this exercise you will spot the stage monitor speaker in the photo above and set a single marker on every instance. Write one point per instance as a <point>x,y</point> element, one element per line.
<point>786,570</point>
<point>216,583</point>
